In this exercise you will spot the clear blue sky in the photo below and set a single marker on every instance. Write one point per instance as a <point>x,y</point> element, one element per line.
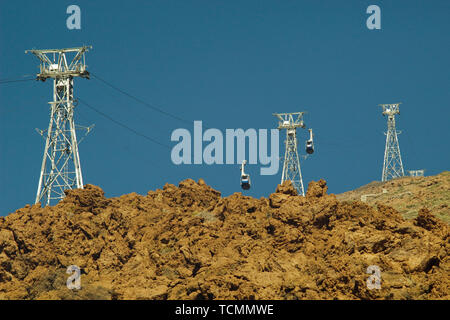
<point>230,64</point>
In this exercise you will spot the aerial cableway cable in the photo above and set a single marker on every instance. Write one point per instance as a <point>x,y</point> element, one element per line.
<point>123,125</point>
<point>3,81</point>
<point>340,144</point>
<point>10,80</point>
<point>148,105</point>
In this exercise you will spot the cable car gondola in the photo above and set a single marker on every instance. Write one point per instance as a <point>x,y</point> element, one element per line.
<point>310,143</point>
<point>245,178</point>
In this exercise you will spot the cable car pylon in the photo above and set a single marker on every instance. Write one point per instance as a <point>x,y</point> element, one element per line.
<point>291,165</point>
<point>61,168</point>
<point>392,165</point>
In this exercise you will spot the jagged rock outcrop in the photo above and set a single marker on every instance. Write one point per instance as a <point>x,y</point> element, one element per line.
<point>187,242</point>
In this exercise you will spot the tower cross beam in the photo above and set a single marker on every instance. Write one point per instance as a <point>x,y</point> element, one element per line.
<point>54,62</point>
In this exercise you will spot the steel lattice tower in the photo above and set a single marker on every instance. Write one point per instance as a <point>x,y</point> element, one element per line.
<point>291,164</point>
<point>61,167</point>
<point>392,166</point>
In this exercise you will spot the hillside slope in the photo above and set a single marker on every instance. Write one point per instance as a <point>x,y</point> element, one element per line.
<point>408,195</point>
<point>187,242</point>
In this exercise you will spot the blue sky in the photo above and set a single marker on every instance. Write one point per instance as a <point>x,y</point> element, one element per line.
<point>230,64</point>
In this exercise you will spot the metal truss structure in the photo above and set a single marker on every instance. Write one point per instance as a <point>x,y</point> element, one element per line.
<point>392,166</point>
<point>61,168</point>
<point>291,165</point>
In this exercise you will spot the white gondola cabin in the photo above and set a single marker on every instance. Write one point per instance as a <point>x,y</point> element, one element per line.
<point>245,178</point>
<point>310,143</point>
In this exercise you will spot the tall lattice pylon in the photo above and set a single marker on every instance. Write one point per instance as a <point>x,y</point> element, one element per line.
<point>392,166</point>
<point>61,167</point>
<point>291,165</point>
